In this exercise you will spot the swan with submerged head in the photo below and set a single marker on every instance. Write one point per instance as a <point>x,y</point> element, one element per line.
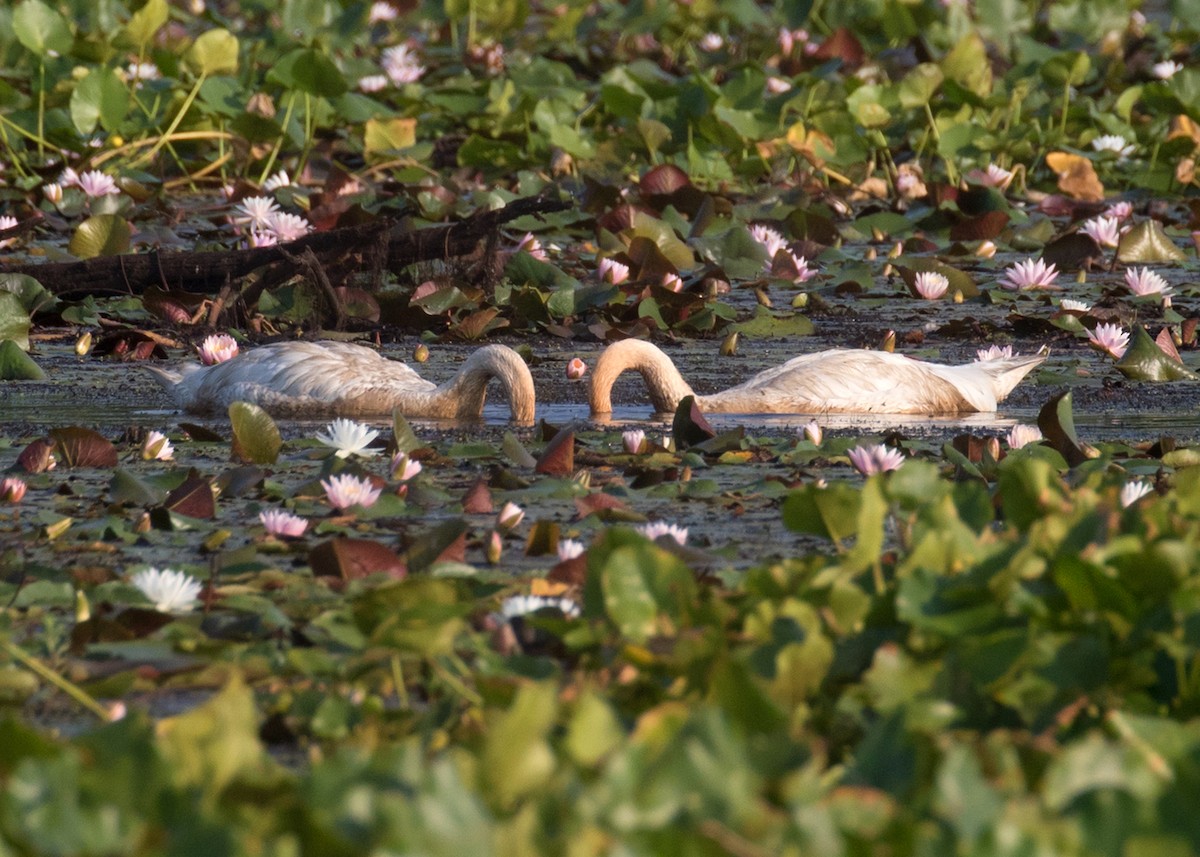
<point>849,380</point>
<point>302,379</point>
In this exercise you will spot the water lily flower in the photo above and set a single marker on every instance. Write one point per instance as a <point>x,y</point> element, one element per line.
<point>633,440</point>
<point>345,490</point>
<point>1069,305</point>
<point>931,285</point>
<point>1166,69</point>
<point>373,83</point>
<point>813,432</point>
<point>1115,144</point>
<point>770,240</point>
<point>655,529</point>
<point>1133,491</point>
<point>569,549</point>
<point>288,227</point>
<point>1021,435</point>
<point>993,352</point>
<point>910,183</point>
<point>140,71</point>
<point>493,548</point>
<point>1105,231</point>
<point>53,192</point>
<point>531,245</point>
<point>7,222</point>
<point>1109,338</point>
<point>776,85</point>
<point>349,437</point>
<point>168,590</point>
<point>404,468</point>
<point>261,239</point>
<point>217,349</point>
<point>789,39</point>
<point>672,282</point>
<point>275,182</point>
<point>1030,274</point>
<point>986,249</point>
<point>510,516</point>
<point>95,183</point>
<point>612,271</point>
<point>877,458</point>
<point>790,265</point>
<point>279,523</point>
<point>382,12</point>
<point>12,489</point>
<point>1143,281</point>
<point>1119,210</point>
<point>255,212</point>
<point>401,65</point>
<point>523,605</point>
<point>710,42</point>
<point>156,447</point>
<point>993,176</point>
<point>576,369</point>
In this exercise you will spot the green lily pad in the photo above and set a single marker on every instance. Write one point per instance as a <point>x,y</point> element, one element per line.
<point>256,438</point>
<point>768,325</point>
<point>101,235</point>
<point>1145,361</point>
<point>16,365</point>
<point>1147,242</point>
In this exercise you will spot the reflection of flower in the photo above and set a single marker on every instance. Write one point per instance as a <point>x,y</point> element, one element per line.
<point>612,271</point>
<point>1133,491</point>
<point>576,369</point>
<point>348,438</point>
<point>523,605</point>
<point>569,549</point>
<point>993,352</point>
<point>1030,274</point>
<point>12,489</point>
<point>280,523</point>
<point>95,183</point>
<point>1020,435</point>
<point>1114,143</point>
<point>156,447</point>
<point>170,591</point>
<point>1109,338</point>
<point>510,515</point>
<point>654,529</point>
<point>878,458</point>
<point>1165,69</point>
<point>813,432</point>
<point>1105,231</point>
<point>1143,281</point>
<point>217,349</point>
<point>633,440</point>
<point>404,468</point>
<point>931,285</point>
<point>345,491</point>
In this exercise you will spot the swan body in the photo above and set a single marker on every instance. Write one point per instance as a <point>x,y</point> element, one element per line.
<point>301,379</point>
<point>841,380</point>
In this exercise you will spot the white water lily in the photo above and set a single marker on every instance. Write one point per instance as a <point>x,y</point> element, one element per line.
<point>931,285</point>
<point>349,437</point>
<point>156,447</point>
<point>217,349</point>
<point>993,352</point>
<point>1133,491</point>
<point>655,529</point>
<point>168,590</point>
<point>1109,338</point>
<point>523,605</point>
<point>1022,435</point>
<point>813,432</point>
<point>1030,274</point>
<point>255,212</point>
<point>1166,69</point>
<point>569,549</point>
<point>1115,144</point>
<point>1068,305</point>
<point>510,515</point>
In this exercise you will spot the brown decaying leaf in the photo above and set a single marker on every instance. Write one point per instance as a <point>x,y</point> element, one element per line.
<point>689,426</point>
<point>194,498</point>
<point>558,459</point>
<point>81,447</point>
<point>1167,344</point>
<point>844,45</point>
<point>36,458</point>
<point>1076,176</point>
<point>597,502</point>
<point>985,226</point>
<point>572,572</point>
<point>663,179</point>
<point>350,559</point>
<point>478,499</point>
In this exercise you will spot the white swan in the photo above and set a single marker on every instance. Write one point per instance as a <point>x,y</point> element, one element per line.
<point>300,379</point>
<point>834,381</point>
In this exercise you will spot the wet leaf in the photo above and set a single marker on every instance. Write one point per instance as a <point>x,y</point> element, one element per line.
<point>831,511</point>
<point>558,458</point>
<point>351,559</point>
<point>81,447</point>
<point>403,437</point>
<point>1072,251</point>
<point>768,325</point>
<point>41,29</point>
<point>1148,243</point>
<point>193,498</point>
<point>126,488</point>
<point>38,456</point>
<point>256,438</point>
<point>444,543</point>
<point>100,235</point>
<point>16,365</point>
<point>516,451</point>
<point>386,136</point>
<point>478,499</point>
<point>689,427</point>
<point>1056,419</point>
<point>1145,361</point>
<point>543,539</point>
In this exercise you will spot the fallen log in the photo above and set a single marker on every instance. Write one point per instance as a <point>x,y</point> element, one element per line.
<point>206,272</point>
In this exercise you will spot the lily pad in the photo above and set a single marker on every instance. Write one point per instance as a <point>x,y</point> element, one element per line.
<point>256,438</point>
<point>16,365</point>
<point>1146,243</point>
<point>1144,360</point>
<point>82,447</point>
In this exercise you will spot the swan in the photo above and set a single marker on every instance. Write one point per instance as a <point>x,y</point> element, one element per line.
<point>301,379</point>
<point>841,380</point>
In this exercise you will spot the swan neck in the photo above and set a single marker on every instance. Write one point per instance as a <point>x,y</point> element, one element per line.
<point>663,381</point>
<point>464,395</point>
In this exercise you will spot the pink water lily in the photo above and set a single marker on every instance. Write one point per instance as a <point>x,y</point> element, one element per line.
<point>283,524</point>
<point>1105,231</point>
<point>1022,435</point>
<point>156,447</point>
<point>1119,210</point>
<point>576,369</point>
<point>401,65</point>
<point>12,489</point>
<point>1030,274</point>
<point>612,271</point>
<point>510,515</point>
<point>345,490</point>
<point>931,285</point>
<point>1109,338</point>
<point>869,460</point>
<point>993,352</point>
<point>217,349</point>
<point>255,212</point>
<point>633,441</point>
<point>993,176</point>
<point>404,468</point>
<point>673,282</point>
<point>531,245</point>
<point>770,240</point>
<point>95,183</point>
<point>1143,281</point>
<point>288,227</point>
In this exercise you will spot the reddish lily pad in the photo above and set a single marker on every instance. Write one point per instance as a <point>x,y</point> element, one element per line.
<point>193,498</point>
<point>558,459</point>
<point>351,559</point>
<point>81,447</point>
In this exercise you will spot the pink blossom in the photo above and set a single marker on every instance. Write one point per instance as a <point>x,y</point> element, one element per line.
<point>813,432</point>
<point>1030,274</point>
<point>509,516</point>
<point>288,227</point>
<point>382,12</point>
<point>12,489</point>
<point>283,524</point>
<point>401,65</point>
<point>1119,210</point>
<point>255,212</point>
<point>404,468</point>
<point>1021,435</point>
<point>576,369</point>
<point>1109,338</point>
<point>877,458</point>
<point>493,548</point>
<point>993,176</point>
<point>770,240</point>
<point>95,183</point>
<point>156,447</point>
<point>633,441</point>
<point>673,282</point>
<point>531,245</point>
<point>993,352</point>
<point>217,349</point>
<point>612,271</point>
<point>1143,281</point>
<point>373,83</point>
<point>7,222</point>
<point>931,285</point>
<point>345,490</point>
<point>1105,231</point>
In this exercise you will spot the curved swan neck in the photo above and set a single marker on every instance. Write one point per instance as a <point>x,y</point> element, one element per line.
<point>464,394</point>
<point>663,381</point>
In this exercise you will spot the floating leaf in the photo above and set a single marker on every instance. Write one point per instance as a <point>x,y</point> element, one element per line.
<point>351,559</point>
<point>1056,419</point>
<point>689,426</point>
<point>1147,243</point>
<point>558,458</point>
<point>14,321</point>
<point>403,437</point>
<point>82,447</point>
<point>256,438</point>
<point>100,235</point>
<point>41,29</point>
<point>516,451</point>
<point>959,280</point>
<point>1072,251</point>
<point>16,365</point>
<point>126,488</point>
<point>445,542</point>
<point>1145,361</point>
<point>831,511</point>
<point>193,498</point>
<point>385,136</point>
<point>768,325</point>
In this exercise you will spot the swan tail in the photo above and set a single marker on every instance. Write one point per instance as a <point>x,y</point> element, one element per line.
<point>173,380</point>
<point>1007,373</point>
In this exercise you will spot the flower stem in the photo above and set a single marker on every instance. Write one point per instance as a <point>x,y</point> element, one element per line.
<point>69,688</point>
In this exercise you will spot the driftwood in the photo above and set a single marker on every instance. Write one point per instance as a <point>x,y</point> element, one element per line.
<point>208,272</point>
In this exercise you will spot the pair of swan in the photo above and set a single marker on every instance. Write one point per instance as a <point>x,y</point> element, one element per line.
<point>312,379</point>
